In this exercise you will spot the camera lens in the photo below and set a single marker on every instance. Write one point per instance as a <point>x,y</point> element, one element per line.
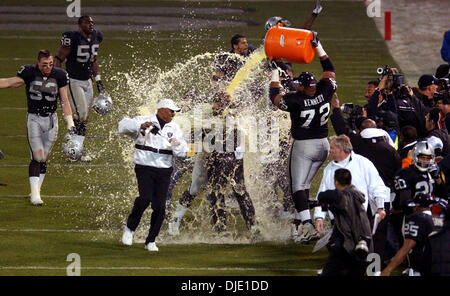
<point>380,71</point>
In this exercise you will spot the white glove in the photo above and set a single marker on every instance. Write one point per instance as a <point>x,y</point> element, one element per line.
<point>318,8</point>
<point>239,153</point>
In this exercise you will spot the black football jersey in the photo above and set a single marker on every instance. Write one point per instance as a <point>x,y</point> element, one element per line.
<point>417,227</point>
<point>42,92</point>
<point>83,52</point>
<point>414,180</point>
<point>309,115</point>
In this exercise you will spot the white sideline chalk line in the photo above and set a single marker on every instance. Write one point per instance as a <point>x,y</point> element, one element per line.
<point>156,268</point>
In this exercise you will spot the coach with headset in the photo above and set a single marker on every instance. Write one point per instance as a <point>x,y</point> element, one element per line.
<point>157,139</point>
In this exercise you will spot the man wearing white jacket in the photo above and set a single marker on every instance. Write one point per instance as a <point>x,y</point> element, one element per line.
<point>157,139</point>
<point>365,178</point>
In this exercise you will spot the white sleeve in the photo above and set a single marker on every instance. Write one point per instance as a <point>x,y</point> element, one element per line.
<point>376,189</point>
<point>182,149</point>
<point>324,185</point>
<point>129,127</point>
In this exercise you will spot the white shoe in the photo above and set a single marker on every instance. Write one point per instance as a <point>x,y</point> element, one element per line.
<point>36,201</point>
<point>308,233</point>
<point>127,237</point>
<point>151,247</point>
<point>174,228</point>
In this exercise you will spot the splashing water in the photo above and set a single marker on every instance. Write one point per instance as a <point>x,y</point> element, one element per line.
<point>136,92</point>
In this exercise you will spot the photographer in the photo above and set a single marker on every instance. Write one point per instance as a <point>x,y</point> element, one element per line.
<point>409,109</point>
<point>442,99</point>
<point>425,92</point>
<point>349,243</point>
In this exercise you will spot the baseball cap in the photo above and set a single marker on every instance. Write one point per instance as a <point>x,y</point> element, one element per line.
<point>305,79</point>
<point>169,104</point>
<point>423,200</point>
<point>389,119</point>
<point>426,80</point>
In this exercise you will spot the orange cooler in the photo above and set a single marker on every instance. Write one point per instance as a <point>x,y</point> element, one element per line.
<point>289,44</point>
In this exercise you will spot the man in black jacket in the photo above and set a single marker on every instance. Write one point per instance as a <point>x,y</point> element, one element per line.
<point>351,232</point>
<point>433,125</point>
<point>440,246</point>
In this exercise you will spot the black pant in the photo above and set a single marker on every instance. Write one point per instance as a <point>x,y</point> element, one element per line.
<point>341,263</point>
<point>153,184</point>
<point>223,170</point>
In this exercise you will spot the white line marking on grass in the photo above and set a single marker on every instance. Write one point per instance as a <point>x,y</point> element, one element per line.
<point>156,268</point>
<point>46,196</point>
<point>66,164</point>
<point>51,230</point>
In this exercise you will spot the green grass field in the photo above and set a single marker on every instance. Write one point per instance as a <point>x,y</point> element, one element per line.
<point>86,204</point>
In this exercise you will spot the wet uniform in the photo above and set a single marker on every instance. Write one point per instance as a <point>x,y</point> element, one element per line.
<point>309,128</point>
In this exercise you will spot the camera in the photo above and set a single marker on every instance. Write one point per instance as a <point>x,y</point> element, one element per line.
<point>353,111</point>
<point>362,248</point>
<point>394,78</point>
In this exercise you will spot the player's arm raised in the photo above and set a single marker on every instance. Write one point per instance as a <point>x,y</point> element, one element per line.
<point>11,82</point>
<point>325,61</point>
<point>275,92</point>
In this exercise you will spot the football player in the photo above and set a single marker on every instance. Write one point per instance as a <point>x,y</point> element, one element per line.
<point>80,49</point>
<point>309,109</point>
<point>416,245</point>
<point>421,177</point>
<point>44,84</point>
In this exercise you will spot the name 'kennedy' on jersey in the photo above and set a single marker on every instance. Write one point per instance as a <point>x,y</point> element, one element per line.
<point>312,102</point>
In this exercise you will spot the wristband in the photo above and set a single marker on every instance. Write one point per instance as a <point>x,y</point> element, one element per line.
<point>275,76</point>
<point>320,51</point>
<point>97,77</point>
<point>69,121</point>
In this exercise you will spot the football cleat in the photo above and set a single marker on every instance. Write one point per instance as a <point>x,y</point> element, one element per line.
<point>36,201</point>
<point>151,247</point>
<point>308,233</point>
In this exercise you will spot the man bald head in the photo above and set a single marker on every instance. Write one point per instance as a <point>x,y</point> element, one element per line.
<point>368,123</point>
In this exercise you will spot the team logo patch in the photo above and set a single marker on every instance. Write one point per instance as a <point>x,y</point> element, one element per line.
<point>169,135</point>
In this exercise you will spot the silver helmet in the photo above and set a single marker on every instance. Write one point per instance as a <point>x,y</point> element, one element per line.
<point>73,148</point>
<point>274,20</point>
<point>104,104</point>
<point>423,148</point>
